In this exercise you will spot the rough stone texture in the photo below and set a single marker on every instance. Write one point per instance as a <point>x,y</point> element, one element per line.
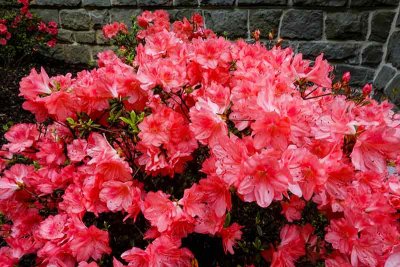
<point>158,3</point>
<point>217,2</point>
<point>88,37</point>
<point>392,90</point>
<point>262,2</point>
<point>56,52</point>
<point>265,20</point>
<point>99,18</point>
<point>76,54</point>
<point>192,3</point>
<point>178,14</point>
<point>96,3</point>
<point>75,19</point>
<point>393,50</point>
<point>345,52</point>
<point>124,2</point>
<point>302,24</point>
<point>372,55</point>
<point>233,23</point>
<point>398,21</point>
<point>334,3</point>
<point>47,14</point>
<point>123,15</point>
<point>66,36</point>
<point>364,3</point>
<point>348,25</point>
<point>100,39</point>
<point>384,76</point>
<point>63,3</point>
<point>359,75</point>
<point>380,25</point>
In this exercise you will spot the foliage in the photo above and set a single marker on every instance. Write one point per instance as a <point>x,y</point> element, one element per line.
<point>199,151</point>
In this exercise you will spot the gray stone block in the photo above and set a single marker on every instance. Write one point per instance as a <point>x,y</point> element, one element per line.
<point>231,22</point>
<point>99,18</point>
<point>372,55</point>
<point>56,52</point>
<point>265,20</point>
<point>100,39</point>
<point>364,3</point>
<point>359,75</point>
<point>346,25</point>
<point>96,3</point>
<point>77,54</point>
<point>263,2</point>
<point>156,3</point>
<point>65,36</point>
<point>58,3</point>
<point>345,52</point>
<point>124,2</point>
<point>302,24</point>
<point>179,14</point>
<point>217,2</point>
<point>393,49</point>
<point>333,3</point>
<point>78,19</point>
<point>124,15</point>
<point>46,15</point>
<point>88,37</point>
<point>384,76</point>
<point>380,25</point>
<point>284,44</point>
<point>185,3</point>
<point>392,90</point>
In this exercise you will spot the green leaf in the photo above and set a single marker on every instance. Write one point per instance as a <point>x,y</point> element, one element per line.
<point>259,230</point>
<point>227,220</point>
<point>257,244</point>
<point>70,121</point>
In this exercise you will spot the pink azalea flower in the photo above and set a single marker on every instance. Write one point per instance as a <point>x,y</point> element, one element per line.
<point>89,243</point>
<point>292,209</point>
<point>207,121</point>
<point>53,227</point>
<point>35,85</point>
<point>230,235</point>
<point>159,210</point>
<point>118,195</point>
<point>20,137</point>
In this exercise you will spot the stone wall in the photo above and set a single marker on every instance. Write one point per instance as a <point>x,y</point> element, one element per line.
<point>361,36</point>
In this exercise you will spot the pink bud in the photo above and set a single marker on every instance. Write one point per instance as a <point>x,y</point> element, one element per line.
<point>367,89</point>
<point>346,77</point>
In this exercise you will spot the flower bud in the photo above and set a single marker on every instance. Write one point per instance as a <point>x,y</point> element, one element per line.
<point>256,35</point>
<point>346,77</point>
<point>367,89</point>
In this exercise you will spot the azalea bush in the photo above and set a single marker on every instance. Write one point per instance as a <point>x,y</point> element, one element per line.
<point>23,34</point>
<point>200,151</point>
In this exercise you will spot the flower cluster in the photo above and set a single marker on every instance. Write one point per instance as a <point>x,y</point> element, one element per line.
<point>254,126</point>
<point>111,30</point>
<point>21,32</point>
<point>4,33</point>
